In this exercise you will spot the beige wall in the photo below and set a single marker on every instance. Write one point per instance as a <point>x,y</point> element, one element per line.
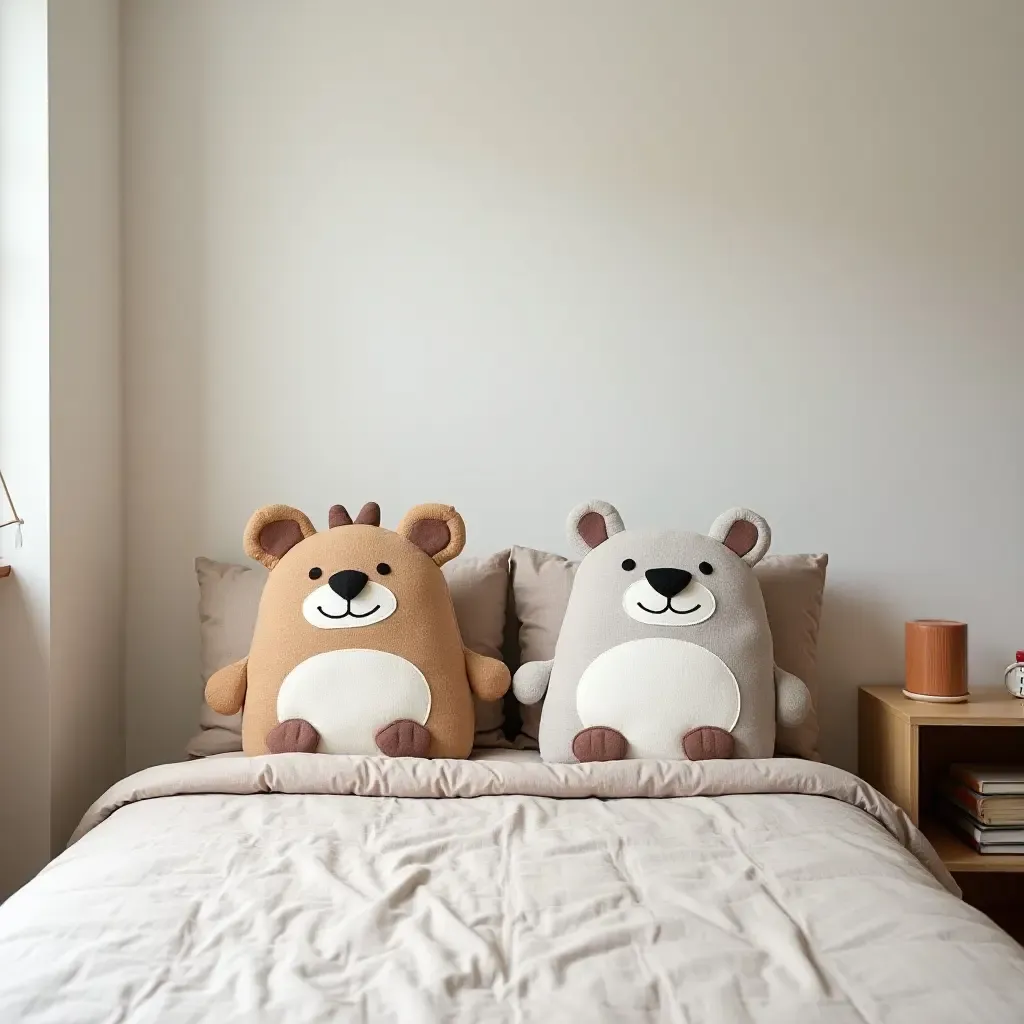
<point>680,255</point>
<point>86,542</point>
<point>24,441</point>
<point>61,611</point>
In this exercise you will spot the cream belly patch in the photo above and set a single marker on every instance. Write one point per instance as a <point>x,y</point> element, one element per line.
<point>348,695</point>
<point>655,690</point>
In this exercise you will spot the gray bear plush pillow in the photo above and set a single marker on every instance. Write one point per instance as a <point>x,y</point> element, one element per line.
<point>665,649</point>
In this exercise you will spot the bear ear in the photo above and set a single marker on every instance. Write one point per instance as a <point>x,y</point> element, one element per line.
<point>743,532</point>
<point>273,531</point>
<point>591,524</point>
<point>436,529</point>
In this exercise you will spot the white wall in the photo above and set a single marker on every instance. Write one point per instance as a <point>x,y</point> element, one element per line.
<point>61,611</point>
<point>678,255</point>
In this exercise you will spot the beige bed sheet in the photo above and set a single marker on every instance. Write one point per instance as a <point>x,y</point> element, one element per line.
<point>313,888</point>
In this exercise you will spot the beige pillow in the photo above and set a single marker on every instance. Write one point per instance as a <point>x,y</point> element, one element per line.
<point>479,589</point>
<point>229,597</point>
<point>792,586</point>
<point>541,583</point>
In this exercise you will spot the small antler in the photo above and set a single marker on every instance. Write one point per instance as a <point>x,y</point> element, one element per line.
<point>338,516</point>
<point>369,514</point>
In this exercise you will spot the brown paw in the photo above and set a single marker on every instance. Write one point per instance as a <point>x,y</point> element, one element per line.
<point>599,744</point>
<point>404,738</point>
<point>293,736</point>
<point>708,743</point>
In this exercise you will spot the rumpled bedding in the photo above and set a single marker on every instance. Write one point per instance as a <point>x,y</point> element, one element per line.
<point>314,888</point>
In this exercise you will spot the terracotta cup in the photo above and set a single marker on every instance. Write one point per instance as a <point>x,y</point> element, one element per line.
<point>936,661</point>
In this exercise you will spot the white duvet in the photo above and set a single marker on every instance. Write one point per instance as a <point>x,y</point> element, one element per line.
<point>314,888</point>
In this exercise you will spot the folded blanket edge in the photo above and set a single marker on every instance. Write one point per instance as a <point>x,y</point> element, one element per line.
<point>417,778</point>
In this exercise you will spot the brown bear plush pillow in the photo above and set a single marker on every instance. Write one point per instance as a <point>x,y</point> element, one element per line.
<point>356,649</point>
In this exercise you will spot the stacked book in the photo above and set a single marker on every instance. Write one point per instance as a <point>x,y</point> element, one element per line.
<point>985,806</point>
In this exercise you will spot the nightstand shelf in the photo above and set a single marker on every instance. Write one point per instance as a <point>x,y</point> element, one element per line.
<point>959,857</point>
<point>905,748</point>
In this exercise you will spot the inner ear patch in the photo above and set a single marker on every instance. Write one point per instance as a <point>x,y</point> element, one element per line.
<point>278,538</point>
<point>437,530</point>
<point>272,531</point>
<point>590,524</point>
<point>741,538</point>
<point>744,533</point>
<point>430,535</point>
<point>592,529</point>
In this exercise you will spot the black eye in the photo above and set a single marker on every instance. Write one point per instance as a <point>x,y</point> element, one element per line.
<point>706,567</point>
<point>383,568</point>
<point>316,572</point>
<point>628,564</point>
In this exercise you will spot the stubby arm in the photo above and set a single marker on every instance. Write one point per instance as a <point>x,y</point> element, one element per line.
<point>488,678</point>
<point>225,692</point>
<point>792,699</point>
<point>531,681</point>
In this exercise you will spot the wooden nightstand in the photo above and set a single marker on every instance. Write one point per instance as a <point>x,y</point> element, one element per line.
<point>904,750</point>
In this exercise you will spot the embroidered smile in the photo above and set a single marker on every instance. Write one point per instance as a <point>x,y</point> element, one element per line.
<point>668,608</point>
<point>349,614</point>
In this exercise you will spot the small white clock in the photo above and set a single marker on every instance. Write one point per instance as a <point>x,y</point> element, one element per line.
<point>1014,676</point>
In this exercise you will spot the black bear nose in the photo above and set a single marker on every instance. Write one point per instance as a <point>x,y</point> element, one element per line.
<point>668,582</point>
<point>348,583</point>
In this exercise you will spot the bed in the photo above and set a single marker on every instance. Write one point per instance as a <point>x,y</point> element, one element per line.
<point>312,888</point>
